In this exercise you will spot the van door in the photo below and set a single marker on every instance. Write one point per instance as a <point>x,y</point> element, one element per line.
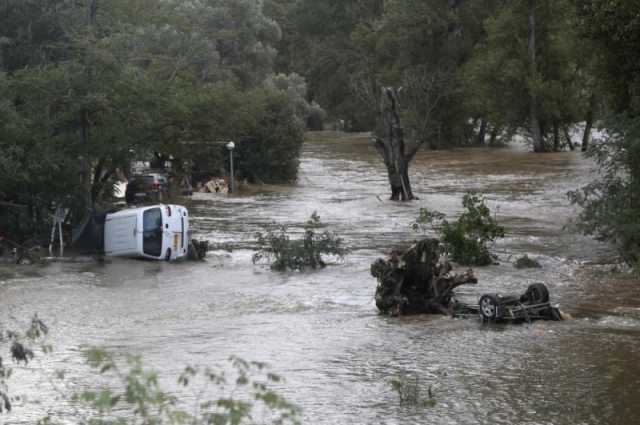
<point>120,235</point>
<point>152,232</point>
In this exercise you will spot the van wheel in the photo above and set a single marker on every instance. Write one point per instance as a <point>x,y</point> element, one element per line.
<point>168,255</point>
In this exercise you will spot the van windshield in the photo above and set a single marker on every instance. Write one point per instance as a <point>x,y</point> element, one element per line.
<point>152,232</point>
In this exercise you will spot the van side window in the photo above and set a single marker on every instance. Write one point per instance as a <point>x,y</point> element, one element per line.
<point>152,232</point>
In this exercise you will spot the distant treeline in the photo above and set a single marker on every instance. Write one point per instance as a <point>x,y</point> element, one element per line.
<point>472,72</point>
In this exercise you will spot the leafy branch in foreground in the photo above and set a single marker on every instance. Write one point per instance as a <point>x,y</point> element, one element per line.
<point>241,395</point>
<point>284,253</point>
<point>466,238</point>
<point>20,347</point>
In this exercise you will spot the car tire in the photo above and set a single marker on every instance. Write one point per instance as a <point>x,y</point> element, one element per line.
<point>489,307</point>
<point>167,256</point>
<point>537,293</point>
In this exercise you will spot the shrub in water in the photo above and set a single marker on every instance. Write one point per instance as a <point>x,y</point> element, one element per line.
<point>465,239</point>
<point>285,253</point>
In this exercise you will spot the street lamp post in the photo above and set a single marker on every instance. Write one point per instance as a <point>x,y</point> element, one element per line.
<point>231,146</point>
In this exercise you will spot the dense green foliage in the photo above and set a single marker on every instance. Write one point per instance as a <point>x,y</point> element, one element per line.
<point>465,67</point>
<point>88,86</point>
<point>284,253</point>
<point>84,90</point>
<point>612,201</point>
<point>466,238</point>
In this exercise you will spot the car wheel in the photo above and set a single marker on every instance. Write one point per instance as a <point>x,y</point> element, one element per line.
<point>489,307</point>
<point>168,255</point>
<point>537,293</point>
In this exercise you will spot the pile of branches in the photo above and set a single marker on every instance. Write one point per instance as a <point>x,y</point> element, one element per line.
<point>416,282</point>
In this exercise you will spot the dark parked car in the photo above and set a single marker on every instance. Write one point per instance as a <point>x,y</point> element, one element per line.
<point>151,187</point>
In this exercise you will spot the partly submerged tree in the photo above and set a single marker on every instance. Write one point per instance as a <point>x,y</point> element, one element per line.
<point>390,144</point>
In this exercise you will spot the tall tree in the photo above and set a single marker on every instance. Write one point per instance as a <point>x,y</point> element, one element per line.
<point>537,84</point>
<point>390,144</point>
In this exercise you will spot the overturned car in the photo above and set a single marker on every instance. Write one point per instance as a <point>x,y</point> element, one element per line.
<point>533,304</point>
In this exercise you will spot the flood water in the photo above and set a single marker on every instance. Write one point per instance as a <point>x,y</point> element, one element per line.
<point>321,330</point>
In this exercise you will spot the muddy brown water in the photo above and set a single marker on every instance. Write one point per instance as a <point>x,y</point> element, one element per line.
<point>321,330</point>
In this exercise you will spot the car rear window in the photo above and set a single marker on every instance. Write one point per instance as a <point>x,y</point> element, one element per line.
<point>152,232</point>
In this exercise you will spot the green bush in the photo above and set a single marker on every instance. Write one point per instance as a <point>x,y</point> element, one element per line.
<point>465,239</point>
<point>610,203</point>
<point>270,154</point>
<point>284,253</point>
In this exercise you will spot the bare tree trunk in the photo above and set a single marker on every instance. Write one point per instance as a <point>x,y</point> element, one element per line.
<point>586,136</point>
<point>93,10</point>
<point>85,176</point>
<point>84,120</point>
<point>568,137</point>
<point>482,132</point>
<point>392,148</point>
<point>556,137</point>
<point>494,136</point>
<point>538,142</point>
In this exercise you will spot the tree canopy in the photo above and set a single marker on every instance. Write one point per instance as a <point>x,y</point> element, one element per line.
<point>89,86</point>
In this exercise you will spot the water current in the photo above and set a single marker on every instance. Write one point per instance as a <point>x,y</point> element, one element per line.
<point>321,330</point>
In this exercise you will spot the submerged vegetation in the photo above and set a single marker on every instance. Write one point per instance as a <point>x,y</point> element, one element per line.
<point>465,240</point>
<point>526,262</point>
<point>410,391</point>
<point>284,253</point>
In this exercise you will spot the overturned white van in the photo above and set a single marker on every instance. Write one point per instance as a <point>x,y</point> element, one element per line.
<point>157,232</point>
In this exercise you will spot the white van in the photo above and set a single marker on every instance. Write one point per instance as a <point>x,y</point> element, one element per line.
<point>157,232</point>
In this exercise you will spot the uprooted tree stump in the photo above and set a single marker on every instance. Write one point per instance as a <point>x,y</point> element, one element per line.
<point>415,281</point>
